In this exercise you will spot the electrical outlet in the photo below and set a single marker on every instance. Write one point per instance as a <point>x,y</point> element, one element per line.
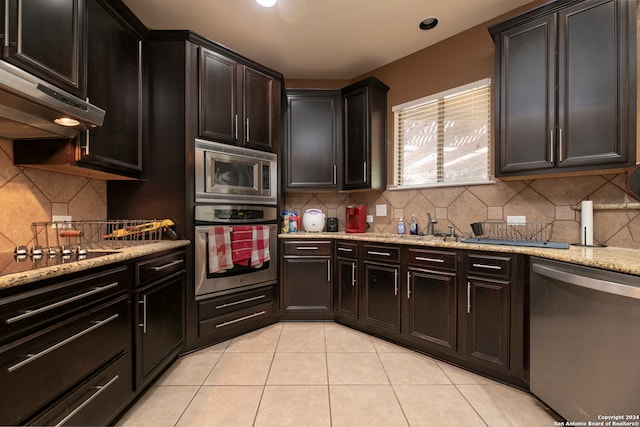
<point>516,219</point>
<point>60,218</point>
<point>381,210</point>
<point>369,218</point>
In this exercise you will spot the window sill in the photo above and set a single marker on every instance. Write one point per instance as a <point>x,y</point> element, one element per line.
<point>438,185</point>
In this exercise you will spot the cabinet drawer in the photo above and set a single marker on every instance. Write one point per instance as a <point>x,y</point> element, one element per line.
<point>26,312</point>
<point>237,319</point>
<point>309,248</point>
<point>487,265</point>
<point>438,260</point>
<point>41,367</point>
<point>381,253</point>
<point>219,306</point>
<point>156,268</point>
<point>95,402</point>
<point>346,249</point>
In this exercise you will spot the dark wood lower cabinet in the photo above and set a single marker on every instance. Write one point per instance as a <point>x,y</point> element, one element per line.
<point>430,315</point>
<point>308,291</point>
<point>487,326</point>
<point>347,288</point>
<point>380,305</point>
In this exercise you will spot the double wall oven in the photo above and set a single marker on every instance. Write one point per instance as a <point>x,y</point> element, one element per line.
<point>234,186</point>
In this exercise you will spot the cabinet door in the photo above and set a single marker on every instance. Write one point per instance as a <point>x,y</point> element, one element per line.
<point>431,309</point>
<point>487,323</point>
<point>160,326</point>
<point>218,110</point>
<point>261,110</point>
<point>312,139</point>
<point>114,64</point>
<point>381,301</point>
<point>593,83</point>
<point>346,270</point>
<point>356,139</point>
<point>526,112</point>
<point>47,38</point>
<point>307,288</point>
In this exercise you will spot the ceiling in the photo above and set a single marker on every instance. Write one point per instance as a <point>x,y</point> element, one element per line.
<point>321,39</point>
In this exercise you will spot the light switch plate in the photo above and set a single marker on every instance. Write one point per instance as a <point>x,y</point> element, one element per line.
<point>381,210</point>
<point>516,219</point>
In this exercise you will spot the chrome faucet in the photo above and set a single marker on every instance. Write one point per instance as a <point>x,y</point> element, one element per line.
<point>430,225</point>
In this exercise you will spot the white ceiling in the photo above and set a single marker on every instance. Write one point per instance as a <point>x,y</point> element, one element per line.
<point>321,39</point>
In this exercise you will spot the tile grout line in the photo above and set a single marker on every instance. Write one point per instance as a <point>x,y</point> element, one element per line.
<point>404,414</point>
<point>266,379</point>
<point>326,362</point>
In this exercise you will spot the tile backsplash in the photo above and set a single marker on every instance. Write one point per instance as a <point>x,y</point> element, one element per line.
<point>31,195</point>
<point>539,200</point>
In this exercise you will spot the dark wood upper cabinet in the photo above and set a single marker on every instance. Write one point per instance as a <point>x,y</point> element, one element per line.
<point>313,132</point>
<point>565,89</point>
<point>47,38</point>
<point>365,135</point>
<point>238,105</point>
<point>114,62</point>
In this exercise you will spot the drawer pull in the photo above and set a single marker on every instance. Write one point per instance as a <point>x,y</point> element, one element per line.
<point>419,258</point>
<point>99,390</point>
<point>32,357</point>
<point>230,304</point>
<point>28,313</point>
<point>378,253</point>
<point>230,322</point>
<point>307,248</point>
<point>345,249</point>
<point>488,267</point>
<point>167,265</point>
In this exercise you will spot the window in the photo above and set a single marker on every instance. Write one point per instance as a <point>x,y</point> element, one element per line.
<point>443,139</point>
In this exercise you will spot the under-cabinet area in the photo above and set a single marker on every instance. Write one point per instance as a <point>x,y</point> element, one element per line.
<point>463,306</point>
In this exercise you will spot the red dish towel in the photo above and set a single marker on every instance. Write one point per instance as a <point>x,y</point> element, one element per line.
<point>219,248</point>
<point>260,245</point>
<point>241,244</point>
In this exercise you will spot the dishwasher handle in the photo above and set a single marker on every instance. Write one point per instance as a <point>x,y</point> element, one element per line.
<point>588,282</point>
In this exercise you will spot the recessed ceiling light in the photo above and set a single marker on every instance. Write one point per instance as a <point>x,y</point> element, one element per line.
<point>266,3</point>
<point>67,121</point>
<point>428,23</point>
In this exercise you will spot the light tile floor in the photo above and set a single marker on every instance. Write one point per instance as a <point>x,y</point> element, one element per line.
<point>325,374</point>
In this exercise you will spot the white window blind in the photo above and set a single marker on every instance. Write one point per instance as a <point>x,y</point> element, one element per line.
<point>443,139</point>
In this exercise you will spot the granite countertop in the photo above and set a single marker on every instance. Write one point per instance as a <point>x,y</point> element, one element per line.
<point>623,260</point>
<point>124,254</point>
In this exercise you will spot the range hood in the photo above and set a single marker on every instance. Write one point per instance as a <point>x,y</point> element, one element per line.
<point>30,106</point>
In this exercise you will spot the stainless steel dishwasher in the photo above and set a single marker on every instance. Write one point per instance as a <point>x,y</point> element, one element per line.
<point>585,341</point>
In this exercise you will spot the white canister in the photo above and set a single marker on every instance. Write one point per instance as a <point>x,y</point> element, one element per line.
<point>313,220</point>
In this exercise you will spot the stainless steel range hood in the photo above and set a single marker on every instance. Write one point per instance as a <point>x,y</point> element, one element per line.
<point>29,107</point>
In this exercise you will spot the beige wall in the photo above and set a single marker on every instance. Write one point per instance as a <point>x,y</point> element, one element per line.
<point>30,195</point>
<point>461,59</point>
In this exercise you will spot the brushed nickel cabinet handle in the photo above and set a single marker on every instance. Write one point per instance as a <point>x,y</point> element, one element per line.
<point>144,314</point>
<point>230,304</point>
<point>395,282</point>
<point>240,319</point>
<point>329,270</point>
<point>170,264</point>
<point>439,260</point>
<point>28,313</point>
<point>307,248</point>
<point>468,297</point>
<point>488,267</point>
<point>33,357</point>
<point>353,274</point>
<point>408,285</point>
<point>379,253</point>
<point>99,390</point>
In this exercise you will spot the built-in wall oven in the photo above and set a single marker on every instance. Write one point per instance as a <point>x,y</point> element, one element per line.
<point>237,277</point>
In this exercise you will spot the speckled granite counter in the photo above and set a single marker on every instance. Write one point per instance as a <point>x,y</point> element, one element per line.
<point>616,259</point>
<point>15,279</point>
